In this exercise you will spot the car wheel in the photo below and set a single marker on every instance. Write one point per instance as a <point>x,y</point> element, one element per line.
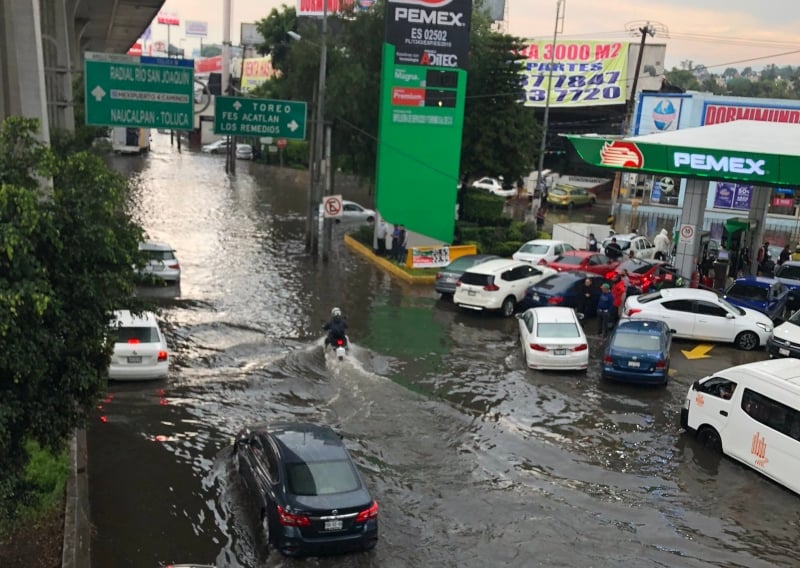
<point>710,439</point>
<point>370,219</point>
<point>265,529</point>
<point>570,205</point>
<point>746,341</point>
<point>507,308</point>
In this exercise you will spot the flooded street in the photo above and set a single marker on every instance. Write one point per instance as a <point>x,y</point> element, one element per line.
<point>474,460</point>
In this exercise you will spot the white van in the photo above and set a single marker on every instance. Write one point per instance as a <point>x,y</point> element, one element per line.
<point>751,413</point>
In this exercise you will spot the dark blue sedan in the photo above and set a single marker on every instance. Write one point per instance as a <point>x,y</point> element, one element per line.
<point>766,295</point>
<point>638,352</point>
<point>563,289</point>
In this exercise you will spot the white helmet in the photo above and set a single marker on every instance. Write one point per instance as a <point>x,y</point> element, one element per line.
<point>336,313</point>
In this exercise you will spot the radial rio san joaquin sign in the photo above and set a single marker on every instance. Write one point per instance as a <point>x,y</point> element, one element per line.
<point>758,169</point>
<point>585,73</point>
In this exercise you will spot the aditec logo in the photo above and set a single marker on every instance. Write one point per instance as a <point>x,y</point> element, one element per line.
<point>621,154</point>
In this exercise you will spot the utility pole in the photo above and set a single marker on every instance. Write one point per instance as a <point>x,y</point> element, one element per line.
<point>322,165</point>
<point>559,27</point>
<point>230,152</point>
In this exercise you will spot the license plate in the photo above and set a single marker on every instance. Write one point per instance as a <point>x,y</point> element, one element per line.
<point>559,351</point>
<point>135,359</point>
<point>471,292</point>
<point>634,364</point>
<point>784,352</point>
<point>333,525</point>
<point>536,297</point>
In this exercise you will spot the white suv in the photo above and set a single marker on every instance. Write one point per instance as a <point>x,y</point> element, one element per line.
<point>497,285</point>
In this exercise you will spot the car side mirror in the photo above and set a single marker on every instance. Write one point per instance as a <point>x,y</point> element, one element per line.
<point>729,316</point>
<point>518,316</point>
<point>580,316</point>
<point>673,331</point>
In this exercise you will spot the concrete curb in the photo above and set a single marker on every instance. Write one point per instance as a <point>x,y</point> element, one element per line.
<point>387,265</point>
<point>75,550</point>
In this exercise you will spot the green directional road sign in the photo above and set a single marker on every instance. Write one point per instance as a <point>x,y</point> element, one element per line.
<point>139,92</point>
<point>241,116</point>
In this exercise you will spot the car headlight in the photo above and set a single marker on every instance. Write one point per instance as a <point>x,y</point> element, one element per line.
<point>764,326</point>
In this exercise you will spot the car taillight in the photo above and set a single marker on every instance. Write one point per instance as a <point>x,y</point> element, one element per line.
<point>367,514</point>
<point>581,347</point>
<point>162,355</point>
<point>608,360</point>
<point>555,300</point>
<point>175,266</point>
<point>542,262</point>
<point>610,275</point>
<point>661,365</point>
<point>632,311</point>
<point>458,283</point>
<point>292,520</point>
<point>537,347</point>
<point>339,342</point>
<point>491,287</point>
<point>133,340</point>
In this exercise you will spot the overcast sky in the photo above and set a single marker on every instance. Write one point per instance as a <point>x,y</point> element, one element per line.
<point>718,33</point>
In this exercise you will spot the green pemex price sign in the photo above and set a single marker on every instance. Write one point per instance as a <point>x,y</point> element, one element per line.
<point>139,92</point>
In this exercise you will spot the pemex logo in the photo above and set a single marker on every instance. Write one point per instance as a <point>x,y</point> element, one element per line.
<point>425,3</point>
<point>620,154</point>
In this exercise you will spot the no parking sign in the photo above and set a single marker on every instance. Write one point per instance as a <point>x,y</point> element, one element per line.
<point>332,206</point>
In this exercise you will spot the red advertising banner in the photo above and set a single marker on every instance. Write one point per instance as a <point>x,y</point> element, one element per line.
<point>782,201</point>
<point>168,18</point>
<point>208,65</point>
<point>315,7</point>
<point>136,49</point>
<point>728,112</point>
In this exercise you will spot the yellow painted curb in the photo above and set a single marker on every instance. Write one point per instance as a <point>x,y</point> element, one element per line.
<point>387,265</point>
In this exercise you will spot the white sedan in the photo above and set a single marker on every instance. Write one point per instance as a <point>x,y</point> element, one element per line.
<point>541,251</point>
<point>352,212</point>
<point>494,186</point>
<point>140,349</point>
<point>702,315</point>
<point>641,247</point>
<point>552,338</point>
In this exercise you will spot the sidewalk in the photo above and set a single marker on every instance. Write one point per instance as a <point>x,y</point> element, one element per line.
<point>386,264</point>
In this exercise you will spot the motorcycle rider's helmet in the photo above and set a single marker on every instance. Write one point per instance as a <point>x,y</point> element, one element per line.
<point>336,313</point>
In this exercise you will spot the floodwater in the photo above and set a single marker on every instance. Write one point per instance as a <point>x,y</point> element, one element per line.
<point>474,460</point>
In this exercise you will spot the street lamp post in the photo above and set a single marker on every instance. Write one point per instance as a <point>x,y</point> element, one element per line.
<point>540,185</point>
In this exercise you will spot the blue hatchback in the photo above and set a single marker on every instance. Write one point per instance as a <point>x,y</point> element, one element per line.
<point>638,352</point>
<point>766,295</point>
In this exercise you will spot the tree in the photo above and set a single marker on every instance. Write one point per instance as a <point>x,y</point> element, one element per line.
<point>65,266</point>
<point>683,78</point>
<point>211,50</point>
<point>275,30</point>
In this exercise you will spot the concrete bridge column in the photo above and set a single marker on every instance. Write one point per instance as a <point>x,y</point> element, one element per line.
<point>693,213</point>
<point>62,23</point>
<point>759,204</point>
<point>22,92</point>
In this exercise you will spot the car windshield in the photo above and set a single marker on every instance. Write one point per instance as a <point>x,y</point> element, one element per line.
<point>557,191</point>
<point>321,478</point>
<point>559,330</point>
<point>569,259</point>
<point>476,279</point>
<point>552,282</point>
<point>635,266</point>
<point>133,335</point>
<point>533,248</point>
<point>636,341</point>
<point>789,272</point>
<point>159,254</point>
<point>744,291</point>
<point>645,298</point>
<point>795,319</point>
<point>461,264</point>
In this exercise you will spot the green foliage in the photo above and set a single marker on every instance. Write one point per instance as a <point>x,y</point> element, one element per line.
<point>65,264</point>
<point>482,207</point>
<point>364,234</point>
<point>275,30</point>
<point>504,248</point>
<point>211,50</point>
<point>772,82</point>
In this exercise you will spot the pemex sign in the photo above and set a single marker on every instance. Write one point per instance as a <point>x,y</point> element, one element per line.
<point>680,161</point>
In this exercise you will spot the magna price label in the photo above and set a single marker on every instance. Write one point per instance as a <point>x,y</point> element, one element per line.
<point>433,33</point>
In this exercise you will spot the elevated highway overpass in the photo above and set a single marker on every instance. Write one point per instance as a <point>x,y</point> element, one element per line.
<point>42,43</point>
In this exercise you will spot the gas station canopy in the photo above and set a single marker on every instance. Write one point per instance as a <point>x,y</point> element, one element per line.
<point>749,151</point>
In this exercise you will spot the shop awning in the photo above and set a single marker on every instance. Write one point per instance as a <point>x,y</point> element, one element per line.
<point>745,151</point>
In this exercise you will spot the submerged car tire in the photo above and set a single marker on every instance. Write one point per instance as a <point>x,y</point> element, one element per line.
<point>709,438</point>
<point>507,308</point>
<point>265,532</point>
<point>746,341</point>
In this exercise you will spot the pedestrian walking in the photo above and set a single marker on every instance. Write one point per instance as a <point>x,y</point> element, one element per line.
<point>605,305</point>
<point>785,255</point>
<point>613,250</point>
<point>592,246</point>
<point>662,244</point>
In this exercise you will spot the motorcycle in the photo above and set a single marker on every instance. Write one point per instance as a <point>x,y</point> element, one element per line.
<point>340,346</point>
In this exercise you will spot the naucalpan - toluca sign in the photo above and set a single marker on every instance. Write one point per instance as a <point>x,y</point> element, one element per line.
<point>728,164</point>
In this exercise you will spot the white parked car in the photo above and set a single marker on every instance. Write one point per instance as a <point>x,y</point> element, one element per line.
<point>140,349</point>
<point>497,285</point>
<point>642,248</point>
<point>244,152</point>
<point>552,338</point>
<point>216,147</point>
<point>161,261</point>
<point>541,251</point>
<point>352,212</point>
<point>703,315</point>
<point>495,186</point>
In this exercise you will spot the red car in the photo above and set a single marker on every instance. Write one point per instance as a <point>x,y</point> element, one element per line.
<point>594,262</point>
<point>647,274</point>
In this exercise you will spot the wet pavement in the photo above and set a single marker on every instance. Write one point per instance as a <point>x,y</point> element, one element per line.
<point>475,460</point>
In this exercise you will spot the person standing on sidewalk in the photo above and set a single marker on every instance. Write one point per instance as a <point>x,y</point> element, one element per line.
<point>592,247</point>
<point>605,306</point>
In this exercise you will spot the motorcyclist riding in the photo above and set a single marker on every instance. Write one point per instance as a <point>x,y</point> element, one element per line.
<point>336,327</point>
